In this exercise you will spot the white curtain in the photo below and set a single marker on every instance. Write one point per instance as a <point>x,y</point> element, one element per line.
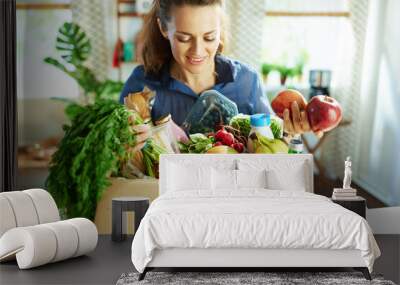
<point>346,88</point>
<point>379,153</point>
<point>90,15</point>
<point>246,20</point>
<point>305,6</point>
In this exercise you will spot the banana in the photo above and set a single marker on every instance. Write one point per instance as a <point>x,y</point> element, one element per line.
<point>275,145</point>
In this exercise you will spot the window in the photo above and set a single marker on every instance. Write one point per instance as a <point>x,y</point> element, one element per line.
<point>316,37</point>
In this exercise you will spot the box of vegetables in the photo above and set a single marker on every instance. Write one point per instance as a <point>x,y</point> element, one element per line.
<point>214,126</point>
<point>101,142</point>
<point>233,138</point>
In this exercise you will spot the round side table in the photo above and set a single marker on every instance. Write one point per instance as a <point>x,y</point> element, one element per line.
<point>138,205</point>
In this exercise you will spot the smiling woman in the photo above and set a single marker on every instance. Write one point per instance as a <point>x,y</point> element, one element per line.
<point>182,45</point>
<point>182,57</point>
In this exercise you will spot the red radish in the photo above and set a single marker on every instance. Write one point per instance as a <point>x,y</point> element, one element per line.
<point>217,143</point>
<point>219,135</point>
<point>238,147</point>
<point>228,139</point>
<point>225,137</point>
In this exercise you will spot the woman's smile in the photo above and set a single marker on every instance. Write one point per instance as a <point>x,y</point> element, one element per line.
<point>194,60</point>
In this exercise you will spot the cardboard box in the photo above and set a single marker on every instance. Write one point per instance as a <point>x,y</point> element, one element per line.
<point>122,187</point>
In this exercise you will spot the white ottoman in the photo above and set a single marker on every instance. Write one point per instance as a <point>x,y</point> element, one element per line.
<point>31,230</point>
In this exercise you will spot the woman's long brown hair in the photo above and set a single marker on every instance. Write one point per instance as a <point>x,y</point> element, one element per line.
<point>156,49</point>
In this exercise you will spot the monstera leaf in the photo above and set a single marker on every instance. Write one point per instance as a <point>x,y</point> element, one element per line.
<point>73,43</point>
<point>74,48</point>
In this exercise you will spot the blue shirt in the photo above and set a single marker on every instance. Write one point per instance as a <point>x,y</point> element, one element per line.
<point>237,81</point>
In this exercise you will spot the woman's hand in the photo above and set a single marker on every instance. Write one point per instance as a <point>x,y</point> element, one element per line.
<point>143,132</point>
<point>178,133</point>
<point>298,124</point>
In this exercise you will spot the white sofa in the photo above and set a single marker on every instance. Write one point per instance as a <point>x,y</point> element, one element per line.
<point>31,231</point>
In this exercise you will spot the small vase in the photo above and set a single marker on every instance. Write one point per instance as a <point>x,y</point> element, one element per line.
<point>265,78</point>
<point>283,79</point>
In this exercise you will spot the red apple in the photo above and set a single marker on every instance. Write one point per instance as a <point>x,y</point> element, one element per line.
<point>324,113</point>
<point>283,100</point>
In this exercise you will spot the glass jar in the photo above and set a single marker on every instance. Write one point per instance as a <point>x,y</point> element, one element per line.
<point>163,135</point>
<point>296,145</point>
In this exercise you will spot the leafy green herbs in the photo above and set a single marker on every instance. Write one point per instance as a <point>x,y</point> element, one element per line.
<point>93,148</point>
<point>276,128</point>
<point>241,122</point>
<point>198,143</point>
<point>151,157</point>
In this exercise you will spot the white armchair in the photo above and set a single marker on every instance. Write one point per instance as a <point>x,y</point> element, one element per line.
<point>31,230</point>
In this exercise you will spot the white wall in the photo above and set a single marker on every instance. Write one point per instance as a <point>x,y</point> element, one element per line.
<point>384,220</point>
<point>37,32</point>
<point>38,116</point>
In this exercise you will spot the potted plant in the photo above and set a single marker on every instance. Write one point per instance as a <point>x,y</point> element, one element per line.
<point>266,68</point>
<point>284,72</point>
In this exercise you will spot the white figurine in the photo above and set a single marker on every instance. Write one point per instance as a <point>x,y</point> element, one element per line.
<point>347,174</point>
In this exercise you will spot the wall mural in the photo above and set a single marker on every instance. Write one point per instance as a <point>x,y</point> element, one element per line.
<point>91,133</point>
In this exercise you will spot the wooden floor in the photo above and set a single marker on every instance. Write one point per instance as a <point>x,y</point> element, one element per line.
<point>110,259</point>
<point>102,266</point>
